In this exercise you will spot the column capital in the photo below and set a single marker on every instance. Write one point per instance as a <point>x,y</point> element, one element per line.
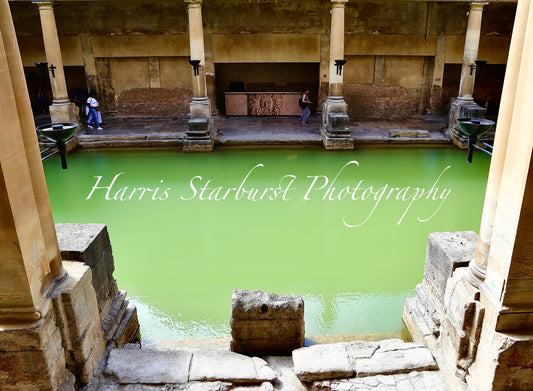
<point>338,3</point>
<point>478,5</point>
<point>44,4</point>
<point>193,3</point>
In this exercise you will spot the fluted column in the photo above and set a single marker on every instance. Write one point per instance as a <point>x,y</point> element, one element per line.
<point>62,110</point>
<point>200,132</point>
<point>473,32</point>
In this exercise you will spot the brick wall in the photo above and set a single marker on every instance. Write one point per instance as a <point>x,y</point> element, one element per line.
<point>154,102</point>
<point>371,101</point>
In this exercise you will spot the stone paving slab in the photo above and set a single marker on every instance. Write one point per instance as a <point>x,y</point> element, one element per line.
<point>149,366</point>
<point>208,365</point>
<point>327,361</point>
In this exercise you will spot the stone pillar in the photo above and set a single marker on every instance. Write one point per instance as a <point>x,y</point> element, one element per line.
<point>62,110</point>
<point>494,321</point>
<point>200,132</point>
<point>336,132</point>
<point>44,311</point>
<point>438,74</point>
<point>478,266</point>
<point>27,127</point>
<point>464,105</point>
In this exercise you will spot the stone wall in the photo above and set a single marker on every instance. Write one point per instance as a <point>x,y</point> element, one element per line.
<point>158,102</point>
<point>371,101</point>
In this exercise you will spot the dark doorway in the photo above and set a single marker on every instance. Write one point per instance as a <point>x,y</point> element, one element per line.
<point>74,78</point>
<point>487,88</point>
<point>265,77</point>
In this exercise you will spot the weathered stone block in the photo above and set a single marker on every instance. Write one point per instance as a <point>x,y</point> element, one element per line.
<point>318,362</point>
<point>90,244</point>
<point>265,323</point>
<point>446,251</point>
<point>77,311</point>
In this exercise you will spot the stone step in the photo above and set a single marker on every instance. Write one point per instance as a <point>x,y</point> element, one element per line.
<point>111,319</point>
<point>128,328</point>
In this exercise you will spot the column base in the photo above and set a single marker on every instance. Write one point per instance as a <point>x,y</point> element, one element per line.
<point>64,112</point>
<point>200,134</point>
<point>31,356</point>
<point>336,133</point>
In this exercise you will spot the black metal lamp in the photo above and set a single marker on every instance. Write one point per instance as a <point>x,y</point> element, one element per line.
<point>52,68</point>
<point>195,66</point>
<point>478,65</point>
<point>339,64</point>
<point>43,66</point>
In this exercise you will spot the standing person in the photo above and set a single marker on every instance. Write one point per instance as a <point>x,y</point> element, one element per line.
<point>92,105</point>
<point>304,104</point>
<point>42,102</point>
<point>78,97</point>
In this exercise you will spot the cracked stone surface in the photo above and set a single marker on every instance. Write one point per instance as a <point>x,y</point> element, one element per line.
<point>414,381</point>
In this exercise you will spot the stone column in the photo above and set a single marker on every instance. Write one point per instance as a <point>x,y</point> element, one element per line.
<point>23,105</point>
<point>200,133</point>
<point>502,307</point>
<point>34,331</point>
<point>464,105</point>
<point>336,132</point>
<point>62,110</point>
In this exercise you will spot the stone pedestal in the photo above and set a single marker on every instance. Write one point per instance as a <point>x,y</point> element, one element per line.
<point>31,356</point>
<point>64,112</point>
<point>200,134</point>
<point>266,324</point>
<point>463,109</point>
<point>336,133</point>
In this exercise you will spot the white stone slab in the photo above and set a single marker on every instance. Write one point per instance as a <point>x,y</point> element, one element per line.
<point>211,365</point>
<point>318,362</point>
<point>149,366</point>
<point>396,361</point>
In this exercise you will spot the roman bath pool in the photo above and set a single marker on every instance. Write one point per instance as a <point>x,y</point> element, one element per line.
<point>345,230</point>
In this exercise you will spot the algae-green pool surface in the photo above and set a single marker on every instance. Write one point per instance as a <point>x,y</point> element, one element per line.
<point>345,230</point>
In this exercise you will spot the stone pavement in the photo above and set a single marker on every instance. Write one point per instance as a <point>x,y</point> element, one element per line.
<point>391,365</point>
<point>258,131</point>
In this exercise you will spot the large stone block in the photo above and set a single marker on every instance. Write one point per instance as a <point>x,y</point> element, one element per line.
<point>265,323</point>
<point>90,244</point>
<point>77,313</point>
<point>446,251</point>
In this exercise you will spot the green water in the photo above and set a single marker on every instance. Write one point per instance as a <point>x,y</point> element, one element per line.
<point>354,248</point>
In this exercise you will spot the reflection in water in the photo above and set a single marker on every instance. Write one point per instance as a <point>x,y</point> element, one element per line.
<point>180,256</point>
